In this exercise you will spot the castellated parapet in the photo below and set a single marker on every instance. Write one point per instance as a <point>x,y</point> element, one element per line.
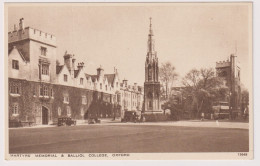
<point>221,64</point>
<point>31,34</point>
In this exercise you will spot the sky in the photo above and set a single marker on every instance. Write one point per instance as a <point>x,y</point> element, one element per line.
<point>187,35</point>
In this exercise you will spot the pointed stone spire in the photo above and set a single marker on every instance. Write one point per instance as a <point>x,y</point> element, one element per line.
<point>150,38</point>
<point>151,30</point>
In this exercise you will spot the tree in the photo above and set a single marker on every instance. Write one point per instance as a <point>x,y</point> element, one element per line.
<point>244,99</point>
<point>203,87</point>
<point>167,76</point>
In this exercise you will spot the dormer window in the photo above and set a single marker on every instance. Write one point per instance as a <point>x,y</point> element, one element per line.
<point>100,86</point>
<point>43,51</point>
<point>106,87</point>
<point>15,64</point>
<point>81,81</point>
<point>65,78</point>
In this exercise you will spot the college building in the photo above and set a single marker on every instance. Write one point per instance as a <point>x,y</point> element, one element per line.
<point>41,90</point>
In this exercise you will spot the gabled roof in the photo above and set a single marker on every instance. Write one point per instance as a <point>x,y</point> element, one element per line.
<point>76,72</point>
<point>87,75</point>
<point>110,78</point>
<point>59,68</point>
<point>94,78</point>
<point>20,53</point>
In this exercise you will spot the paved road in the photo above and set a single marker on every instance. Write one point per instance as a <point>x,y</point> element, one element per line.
<point>128,138</point>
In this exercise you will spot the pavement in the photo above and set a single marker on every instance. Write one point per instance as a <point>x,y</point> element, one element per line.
<point>198,123</point>
<point>184,123</point>
<point>180,136</point>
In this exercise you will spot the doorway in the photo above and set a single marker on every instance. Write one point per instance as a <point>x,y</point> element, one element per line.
<point>44,115</point>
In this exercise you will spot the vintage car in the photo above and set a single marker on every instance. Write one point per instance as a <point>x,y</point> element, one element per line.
<point>131,116</point>
<point>221,110</point>
<point>66,121</point>
<point>93,121</point>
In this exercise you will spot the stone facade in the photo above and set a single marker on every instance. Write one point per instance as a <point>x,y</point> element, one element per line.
<point>151,84</point>
<point>40,90</point>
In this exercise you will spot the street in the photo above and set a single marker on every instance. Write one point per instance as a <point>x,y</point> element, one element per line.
<point>132,138</point>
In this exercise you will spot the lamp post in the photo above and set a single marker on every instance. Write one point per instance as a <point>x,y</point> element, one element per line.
<point>230,107</point>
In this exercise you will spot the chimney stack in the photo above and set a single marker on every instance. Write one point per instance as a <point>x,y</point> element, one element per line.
<point>80,65</point>
<point>21,24</point>
<point>15,28</point>
<point>125,82</point>
<point>73,62</point>
<point>115,70</point>
<point>100,72</point>
<point>69,61</point>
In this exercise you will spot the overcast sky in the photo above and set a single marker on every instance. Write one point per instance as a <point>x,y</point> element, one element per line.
<point>187,35</point>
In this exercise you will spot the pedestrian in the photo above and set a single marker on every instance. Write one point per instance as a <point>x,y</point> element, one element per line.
<point>202,116</point>
<point>246,113</point>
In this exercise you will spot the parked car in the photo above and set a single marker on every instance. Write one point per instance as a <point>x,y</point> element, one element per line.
<point>66,121</point>
<point>93,121</point>
<point>131,116</point>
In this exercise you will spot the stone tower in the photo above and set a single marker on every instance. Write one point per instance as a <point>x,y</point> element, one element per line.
<point>151,84</point>
<point>230,71</point>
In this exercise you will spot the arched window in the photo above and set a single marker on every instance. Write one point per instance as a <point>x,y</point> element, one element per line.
<point>81,81</point>
<point>59,111</point>
<point>68,111</point>
<point>150,104</point>
<point>149,72</point>
<point>157,95</point>
<point>82,112</point>
<point>150,95</point>
<point>224,74</point>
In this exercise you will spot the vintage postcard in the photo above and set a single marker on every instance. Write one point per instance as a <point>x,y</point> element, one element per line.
<point>128,81</point>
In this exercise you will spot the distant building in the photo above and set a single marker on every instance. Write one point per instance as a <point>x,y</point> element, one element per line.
<point>151,84</point>
<point>176,94</point>
<point>230,71</point>
<point>131,97</point>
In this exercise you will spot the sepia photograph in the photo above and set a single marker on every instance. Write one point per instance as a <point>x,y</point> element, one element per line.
<point>125,81</point>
